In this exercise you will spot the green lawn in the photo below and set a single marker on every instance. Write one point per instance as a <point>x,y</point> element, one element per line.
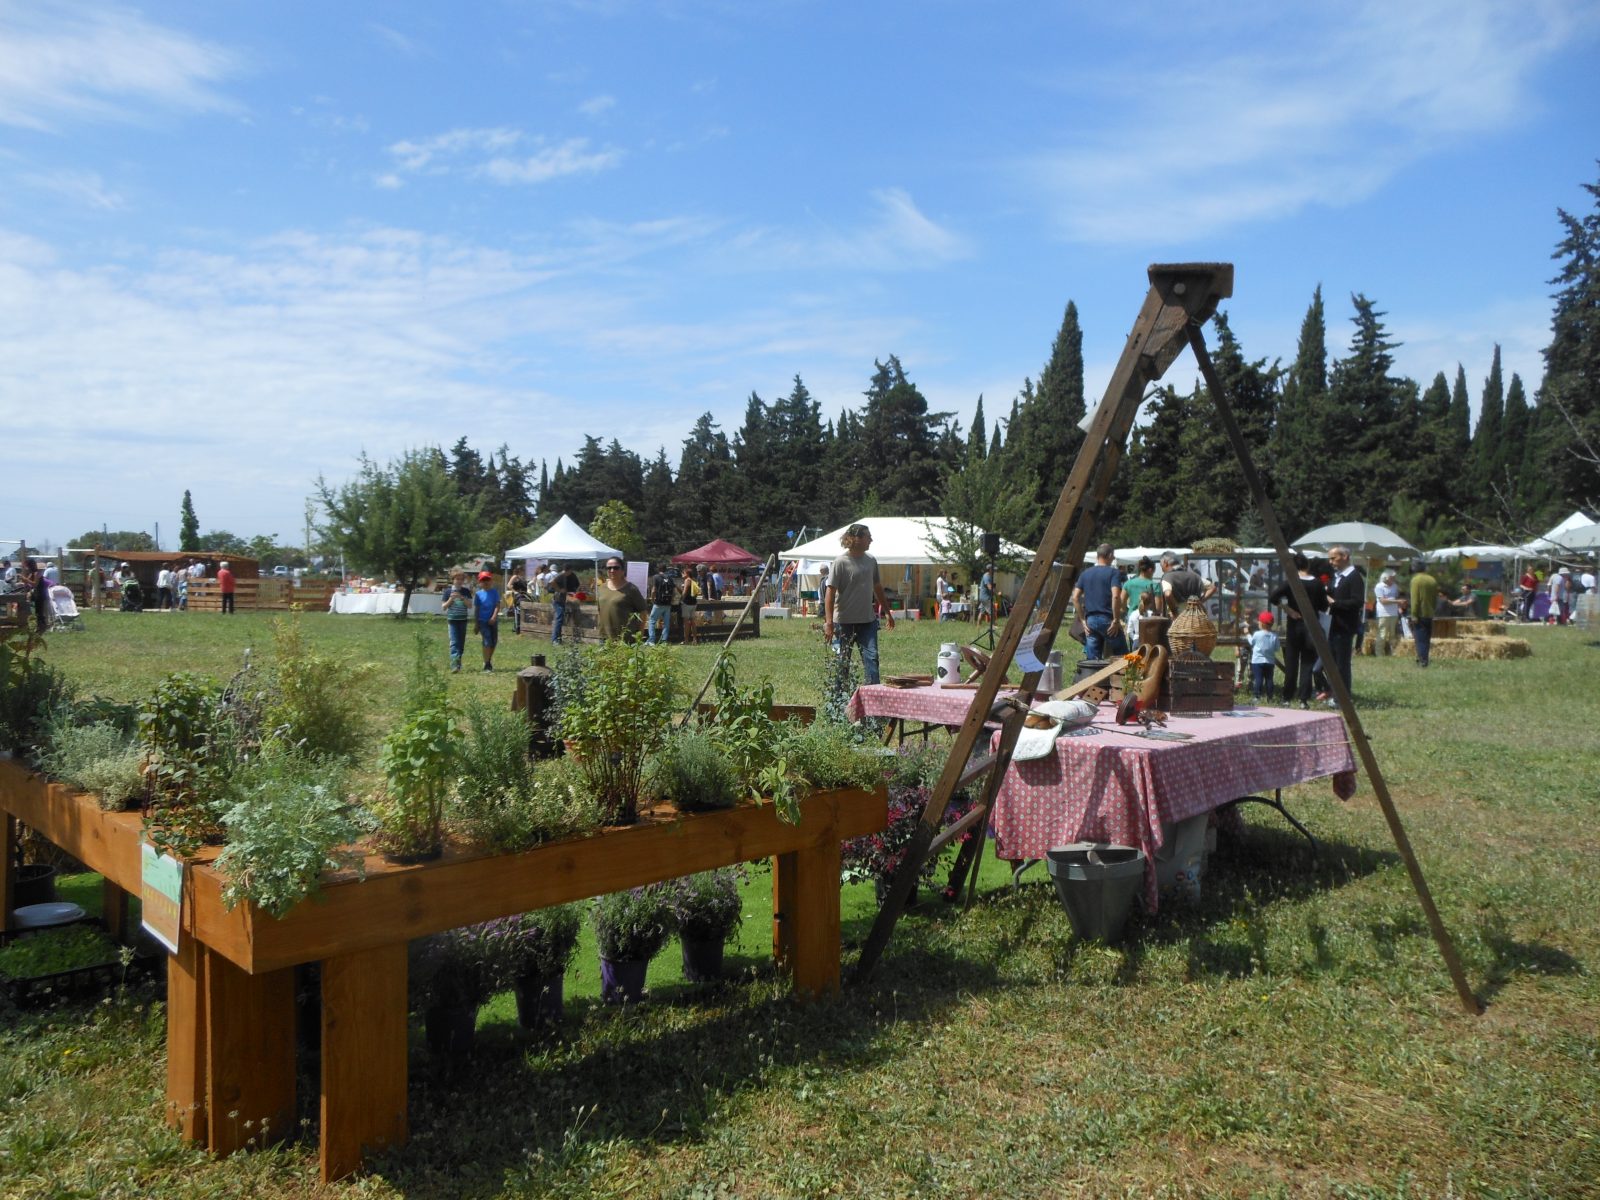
<point>1292,1034</point>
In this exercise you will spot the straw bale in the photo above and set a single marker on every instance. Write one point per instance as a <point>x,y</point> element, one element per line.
<point>1477,649</point>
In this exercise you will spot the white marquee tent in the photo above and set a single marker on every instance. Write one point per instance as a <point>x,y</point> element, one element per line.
<point>563,540</point>
<point>1558,538</point>
<point>903,542</point>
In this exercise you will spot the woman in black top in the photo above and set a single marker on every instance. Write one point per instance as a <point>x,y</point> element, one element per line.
<point>1298,652</point>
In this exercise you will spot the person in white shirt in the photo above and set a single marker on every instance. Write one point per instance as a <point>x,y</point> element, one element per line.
<point>164,587</point>
<point>941,588</point>
<point>52,574</point>
<point>1386,599</point>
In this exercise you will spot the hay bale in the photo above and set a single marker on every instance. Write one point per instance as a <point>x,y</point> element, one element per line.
<point>1482,648</point>
<point>1480,629</point>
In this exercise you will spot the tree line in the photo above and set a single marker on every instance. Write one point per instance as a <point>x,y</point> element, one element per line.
<point>1337,437</point>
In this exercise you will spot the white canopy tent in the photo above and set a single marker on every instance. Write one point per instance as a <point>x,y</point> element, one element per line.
<point>565,539</point>
<point>1558,539</point>
<point>1584,537</point>
<point>1491,553</point>
<point>896,542</point>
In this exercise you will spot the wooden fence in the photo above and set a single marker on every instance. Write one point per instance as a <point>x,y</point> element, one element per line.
<point>270,593</point>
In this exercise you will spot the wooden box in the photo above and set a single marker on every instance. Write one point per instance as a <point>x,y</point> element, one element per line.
<point>1193,683</point>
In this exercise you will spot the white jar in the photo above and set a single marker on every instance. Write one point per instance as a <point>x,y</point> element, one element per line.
<point>948,670</point>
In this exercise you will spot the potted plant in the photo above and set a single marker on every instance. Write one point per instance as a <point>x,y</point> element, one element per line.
<point>706,909</point>
<point>618,718</point>
<point>451,975</point>
<point>630,928</point>
<point>691,773</point>
<point>531,953</point>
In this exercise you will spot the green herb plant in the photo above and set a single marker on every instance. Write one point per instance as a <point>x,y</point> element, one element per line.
<point>534,945</point>
<point>691,772</point>
<point>288,822</point>
<point>317,703</point>
<point>453,969</point>
<point>621,716</point>
<point>100,758</point>
<point>187,759</point>
<point>502,800</point>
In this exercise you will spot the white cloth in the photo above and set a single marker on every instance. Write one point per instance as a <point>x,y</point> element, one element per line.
<point>1068,714</point>
<point>384,602</point>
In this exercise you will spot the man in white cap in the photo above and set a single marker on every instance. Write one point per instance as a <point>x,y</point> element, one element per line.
<point>1386,601</point>
<point>1561,596</point>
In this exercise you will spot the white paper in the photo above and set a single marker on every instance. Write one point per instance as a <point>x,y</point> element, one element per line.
<point>1027,652</point>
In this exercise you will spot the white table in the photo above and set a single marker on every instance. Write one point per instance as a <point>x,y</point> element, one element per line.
<point>422,603</point>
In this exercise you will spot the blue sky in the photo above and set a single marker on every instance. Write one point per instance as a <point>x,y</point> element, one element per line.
<point>241,243</point>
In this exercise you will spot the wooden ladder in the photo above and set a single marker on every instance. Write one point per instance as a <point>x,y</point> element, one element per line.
<point>1182,297</point>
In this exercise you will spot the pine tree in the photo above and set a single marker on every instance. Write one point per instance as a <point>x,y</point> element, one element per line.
<point>654,515</point>
<point>704,471</point>
<point>900,439</point>
<point>189,525</point>
<point>978,442</point>
<point>1571,387</point>
<point>1515,427</point>
<point>1153,461</point>
<point>1368,424</point>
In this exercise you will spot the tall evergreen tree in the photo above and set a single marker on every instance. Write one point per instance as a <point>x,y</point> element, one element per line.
<point>1154,458</point>
<point>1043,436</point>
<point>704,470</point>
<point>1304,479</point>
<point>1571,387</point>
<point>1365,400</point>
<point>654,516</point>
<point>188,525</point>
<point>1486,444</point>
<point>1515,427</point>
<point>978,442</point>
<point>900,439</point>
<point>1436,463</point>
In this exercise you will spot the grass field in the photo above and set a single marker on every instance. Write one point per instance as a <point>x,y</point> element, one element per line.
<point>1292,1034</point>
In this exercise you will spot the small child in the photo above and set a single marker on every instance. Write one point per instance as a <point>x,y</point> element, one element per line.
<point>1263,653</point>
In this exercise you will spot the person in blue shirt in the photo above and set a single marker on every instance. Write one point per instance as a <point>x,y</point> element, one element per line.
<point>486,608</point>
<point>1263,654</point>
<point>1097,598</point>
<point>457,607</point>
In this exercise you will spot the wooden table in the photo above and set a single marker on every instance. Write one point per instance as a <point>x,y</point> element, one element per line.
<point>230,987</point>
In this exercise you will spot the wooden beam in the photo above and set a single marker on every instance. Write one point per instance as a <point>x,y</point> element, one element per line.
<point>249,1064</point>
<point>808,882</point>
<point>114,911</point>
<point>363,1056</point>
<point>8,869</point>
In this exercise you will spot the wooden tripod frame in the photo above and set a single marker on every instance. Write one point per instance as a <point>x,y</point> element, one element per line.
<point>1182,297</point>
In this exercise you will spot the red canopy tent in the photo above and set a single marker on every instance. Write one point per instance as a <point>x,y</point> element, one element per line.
<point>720,553</point>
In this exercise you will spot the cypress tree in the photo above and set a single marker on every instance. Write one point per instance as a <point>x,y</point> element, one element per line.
<point>189,525</point>
<point>978,443</point>
<point>1486,446</point>
<point>1369,425</point>
<point>900,439</point>
<point>1300,447</point>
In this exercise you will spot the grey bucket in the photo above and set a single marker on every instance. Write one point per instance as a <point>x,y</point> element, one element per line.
<point>1097,882</point>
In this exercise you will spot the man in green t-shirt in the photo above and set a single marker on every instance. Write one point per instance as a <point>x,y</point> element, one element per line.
<point>1424,597</point>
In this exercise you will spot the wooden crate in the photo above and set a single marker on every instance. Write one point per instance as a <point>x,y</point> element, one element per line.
<point>1193,683</point>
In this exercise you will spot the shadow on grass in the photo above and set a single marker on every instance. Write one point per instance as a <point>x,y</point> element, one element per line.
<point>524,1115</point>
<point>1511,958</point>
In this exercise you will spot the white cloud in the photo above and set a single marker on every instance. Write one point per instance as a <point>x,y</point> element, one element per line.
<point>572,157</point>
<point>597,106</point>
<point>84,188</point>
<point>1338,101</point>
<point>898,237</point>
<point>63,62</point>
<point>487,154</point>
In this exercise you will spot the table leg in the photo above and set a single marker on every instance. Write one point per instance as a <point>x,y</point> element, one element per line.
<point>114,912</point>
<point>806,905</point>
<point>8,868</point>
<point>363,1056</point>
<point>186,1042</point>
<point>783,902</point>
<point>249,1054</point>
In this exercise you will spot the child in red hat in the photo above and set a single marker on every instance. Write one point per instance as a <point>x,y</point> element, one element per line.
<point>1263,654</point>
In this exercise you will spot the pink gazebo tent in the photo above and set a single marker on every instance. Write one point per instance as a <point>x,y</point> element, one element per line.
<point>720,553</point>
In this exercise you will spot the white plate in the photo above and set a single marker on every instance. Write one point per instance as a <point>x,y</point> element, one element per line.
<point>37,916</point>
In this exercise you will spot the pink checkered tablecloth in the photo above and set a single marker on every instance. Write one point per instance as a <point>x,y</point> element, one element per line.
<point>936,705</point>
<point>1106,786</point>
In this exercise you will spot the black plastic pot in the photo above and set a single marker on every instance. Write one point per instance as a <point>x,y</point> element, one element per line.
<point>35,884</point>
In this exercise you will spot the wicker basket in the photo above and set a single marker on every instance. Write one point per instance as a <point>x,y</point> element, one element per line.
<point>1192,630</point>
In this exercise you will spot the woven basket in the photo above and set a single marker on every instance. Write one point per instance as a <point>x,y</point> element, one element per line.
<point>1192,630</point>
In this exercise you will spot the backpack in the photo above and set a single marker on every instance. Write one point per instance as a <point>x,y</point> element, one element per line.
<point>663,590</point>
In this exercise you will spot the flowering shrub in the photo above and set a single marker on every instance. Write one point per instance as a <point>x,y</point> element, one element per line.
<point>912,779</point>
<point>632,926</point>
